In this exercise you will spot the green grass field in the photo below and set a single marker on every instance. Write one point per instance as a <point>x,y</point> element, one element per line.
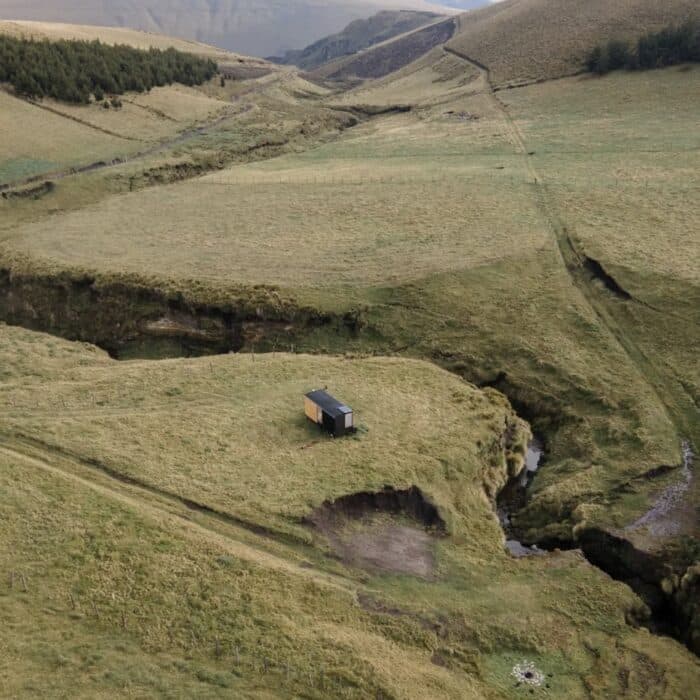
<point>484,288</point>
<point>130,590</point>
<point>537,241</point>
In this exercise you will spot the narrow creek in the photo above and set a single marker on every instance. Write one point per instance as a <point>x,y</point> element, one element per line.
<point>514,496</point>
<point>666,576</point>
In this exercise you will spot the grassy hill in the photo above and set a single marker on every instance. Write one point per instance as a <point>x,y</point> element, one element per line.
<point>153,542</point>
<point>358,35</point>
<point>528,40</point>
<point>169,132</point>
<point>254,27</point>
<point>452,261</point>
<point>117,35</point>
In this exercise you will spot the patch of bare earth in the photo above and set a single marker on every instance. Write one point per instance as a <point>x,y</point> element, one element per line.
<point>389,531</point>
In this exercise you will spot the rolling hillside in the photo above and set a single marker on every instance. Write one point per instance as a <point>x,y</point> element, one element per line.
<point>120,35</point>
<point>183,530</point>
<point>527,40</point>
<point>254,27</point>
<point>50,138</point>
<point>504,285</point>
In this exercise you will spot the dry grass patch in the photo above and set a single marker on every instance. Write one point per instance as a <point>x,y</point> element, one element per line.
<point>385,190</point>
<point>36,141</point>
<point>621,158</point>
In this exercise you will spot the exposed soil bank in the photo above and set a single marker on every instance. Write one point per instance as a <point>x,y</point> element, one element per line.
<point>392,530</point>
<point>131,320</point>
<point>410,502</point>
<point>668,582</point>
<point>599,273</point>
<point>667,579</point>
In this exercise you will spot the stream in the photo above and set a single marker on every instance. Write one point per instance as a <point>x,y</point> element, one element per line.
<point>513,497</point>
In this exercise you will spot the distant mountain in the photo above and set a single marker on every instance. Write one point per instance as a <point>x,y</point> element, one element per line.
<point>389,56</point>
<point>254,27</point>
<point>466,4</point>
<point>358,35</point>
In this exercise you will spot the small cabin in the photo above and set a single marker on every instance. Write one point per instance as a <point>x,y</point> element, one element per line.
<point>329,413</point>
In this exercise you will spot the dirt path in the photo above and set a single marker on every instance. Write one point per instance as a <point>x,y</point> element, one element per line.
<point>170,513</point>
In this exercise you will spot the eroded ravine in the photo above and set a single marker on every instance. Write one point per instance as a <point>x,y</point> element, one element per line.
<point>130,319</point>
<point>666,578</point>
<point>513,498</point>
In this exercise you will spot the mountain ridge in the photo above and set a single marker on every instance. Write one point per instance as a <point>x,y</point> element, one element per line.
<point>250,27</point>
<point>357,36</point>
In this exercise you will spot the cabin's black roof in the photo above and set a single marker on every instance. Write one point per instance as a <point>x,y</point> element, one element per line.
<point>328,403</point>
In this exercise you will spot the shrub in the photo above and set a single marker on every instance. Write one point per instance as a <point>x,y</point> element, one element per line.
<point>618,55</point>
<point>669,47</point>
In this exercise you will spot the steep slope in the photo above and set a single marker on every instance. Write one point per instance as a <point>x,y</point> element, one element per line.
<point>528,40</point>
<point>391,55</point>
<point>358,35</point>
<point>257,27</point>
